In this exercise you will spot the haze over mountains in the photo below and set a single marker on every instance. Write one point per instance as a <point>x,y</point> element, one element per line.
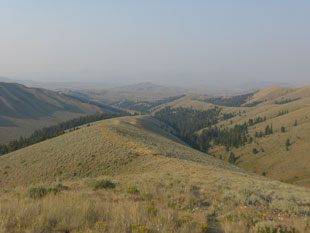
<point>211,87</point>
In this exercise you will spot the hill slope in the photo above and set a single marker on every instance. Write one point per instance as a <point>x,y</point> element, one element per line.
<point>285,110</point>
<point>23,109</point>
<point>162,185</point>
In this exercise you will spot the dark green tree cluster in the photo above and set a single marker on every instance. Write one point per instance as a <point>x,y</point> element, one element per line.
<point>285,101</point>
<point>283,112</point>
<point>268,131</point>
<point>53,131</point>
<point>253,104</point>
<point>228,137</point>
<point>227,116</point>
<point>255,151</point>
<point>187,121</point>
<point>233,101</point>
<point>256,120</point>
<point>232,158</point>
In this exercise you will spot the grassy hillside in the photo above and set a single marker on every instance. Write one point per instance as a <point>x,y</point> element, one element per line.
<point>158,185</point>
<point>25,109</point>
<point>287,110</point>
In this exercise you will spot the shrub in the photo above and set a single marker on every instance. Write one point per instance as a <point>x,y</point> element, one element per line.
<point>287,143</point>
<point>137,228</point>
<point>184,220</point>
<point>104,184</point>
<point>38,192</point>
<point>146,196</point>
<point>232,158</point>
<point>274,228</point>
<point>101,226</point>
<point>283,129</point>
<point>204,228</point>
<point>152,211</point>
<point>255,151</point>
<point>61,187</point>
<point>132,190</point>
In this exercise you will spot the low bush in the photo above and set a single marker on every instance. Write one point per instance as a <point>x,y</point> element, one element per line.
<point>137,228</point>
<point>38,192</point>
<point>275,228</point>
<point>104,184</point>
<point>132,190</point>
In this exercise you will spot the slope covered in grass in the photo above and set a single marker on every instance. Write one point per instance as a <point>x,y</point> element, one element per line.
<point>24,109</point>
<point>160,185</point>
<point>286,110</point>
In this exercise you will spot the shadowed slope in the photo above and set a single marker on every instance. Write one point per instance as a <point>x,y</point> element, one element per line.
<point>23,110</point>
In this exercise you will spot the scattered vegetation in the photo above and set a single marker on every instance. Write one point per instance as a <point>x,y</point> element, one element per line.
<point>104,184</point>
<point>53,131</point>
<point>232,158</point>
<point>187,122</point>
<point>41,191</point>
<point>285,101</point>
<point>179,190</point>
<point>233,101</point>
<point>287,143</point>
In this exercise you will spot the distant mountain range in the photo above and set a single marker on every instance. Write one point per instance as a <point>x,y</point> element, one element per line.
<point>199,87</point>
<point>56,86</point>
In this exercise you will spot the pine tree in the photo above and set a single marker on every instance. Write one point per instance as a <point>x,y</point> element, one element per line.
<point>287,143</point>
<point>283,129</point>
<point>232,158</point>
<point>255,151</point>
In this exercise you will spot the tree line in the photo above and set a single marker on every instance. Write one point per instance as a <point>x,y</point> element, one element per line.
<point>232,101</point>
<point>53,131</point>
<point>187,122</point>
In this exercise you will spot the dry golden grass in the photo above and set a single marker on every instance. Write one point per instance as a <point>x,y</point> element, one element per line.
<point>182,197</point>
<point>161,186</point>
<point>273,159</point>
<point>277,93</point>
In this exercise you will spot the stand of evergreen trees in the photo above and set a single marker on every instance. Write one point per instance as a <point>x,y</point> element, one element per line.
<point>53,131</point>
<point>232,101</point>
<point>187,122</point>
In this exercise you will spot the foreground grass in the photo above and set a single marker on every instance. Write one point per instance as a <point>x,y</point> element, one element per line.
<point>172,200</point>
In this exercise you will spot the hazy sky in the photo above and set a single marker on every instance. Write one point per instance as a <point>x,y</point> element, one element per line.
<point>175,40</point>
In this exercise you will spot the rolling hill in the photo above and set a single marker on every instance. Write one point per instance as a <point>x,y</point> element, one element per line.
<point>285,110</point>
<point>24,109</point>
<point>130,174</point>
